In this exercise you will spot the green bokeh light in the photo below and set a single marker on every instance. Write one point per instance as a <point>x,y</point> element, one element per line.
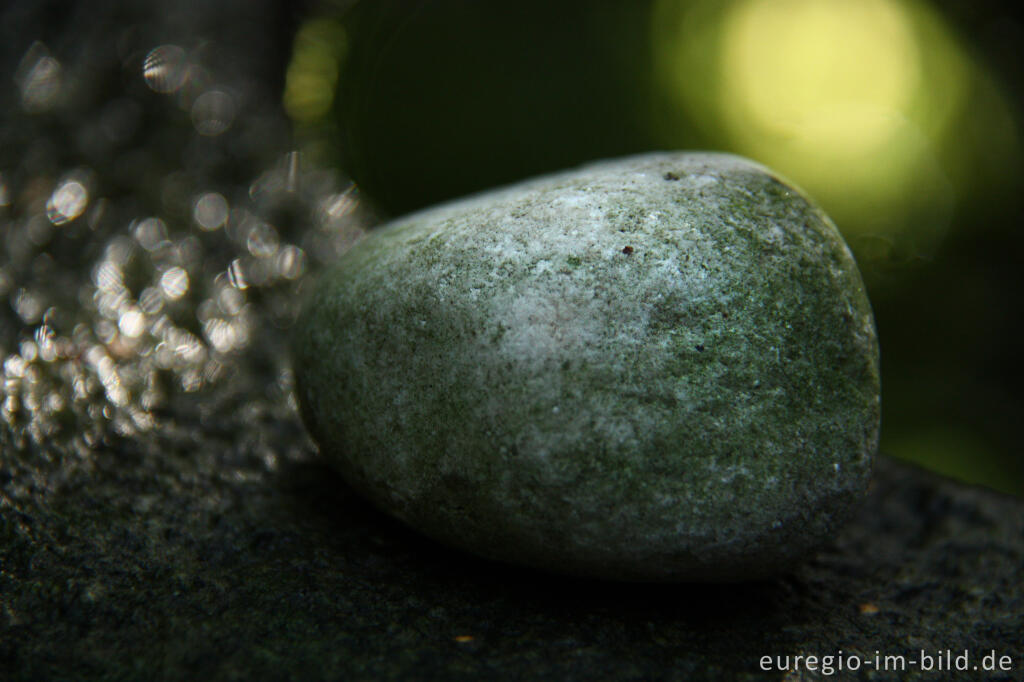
<point>320,45</point>
<point>864,103</point>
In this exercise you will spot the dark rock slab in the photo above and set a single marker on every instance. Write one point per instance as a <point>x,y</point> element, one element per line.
<point>205,562</point>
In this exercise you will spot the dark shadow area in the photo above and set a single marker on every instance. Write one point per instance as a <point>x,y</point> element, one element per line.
<point>317,490</point>
<point>859,591</point>
<point>724,621</point>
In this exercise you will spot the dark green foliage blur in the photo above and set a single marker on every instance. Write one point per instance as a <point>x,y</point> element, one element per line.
<point>454,97</point>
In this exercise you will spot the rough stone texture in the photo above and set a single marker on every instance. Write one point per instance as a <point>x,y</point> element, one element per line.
<point>655,368</point>
<point>203,564</point>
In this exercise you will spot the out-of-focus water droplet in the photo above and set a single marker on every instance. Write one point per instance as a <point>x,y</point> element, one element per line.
<point>55,402</point>
<point>108,277</point>
<point>29,305</point>
<point>191,380</point>
<point>120,251</point>
<point>132,322</point>
<point>165,68</point>
<point>210,211</point>
<point>230,300</point>
<point>174,283</point>
<point>221,334</point>
<point>106,331</point>
<point>189,251</point>
<point>45,341</point>
<point>110,310</point>
<point>151,233</point>
<point>213,112</point>
<point>29,351</point>
<point>67,202</point>
<point>291,262</point>
<point>107,372</point>
<point>206,310</point>
<point>39,79</point>
<point>236,274</point>
<point>339,205</point>
<point>109,304</point>
<point>151,300</point>
<point>14,366</point>
<point>262,241</point>
<point>260,271</point>
<point>185,345</point>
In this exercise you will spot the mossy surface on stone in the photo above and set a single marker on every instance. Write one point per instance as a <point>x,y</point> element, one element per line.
<point>661,367</point>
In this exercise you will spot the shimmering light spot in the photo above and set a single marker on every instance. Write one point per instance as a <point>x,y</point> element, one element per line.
<point>39,79</point>
<point>189,251</point>
<point>106,331</point>
<point>151,300</point>
<point>110,310</point>
<point>108,277</point>
<point>191,380</point>
<point>174,283</point>
<point>210,211</point>
<point>165,68</point>
<point>109,304</point>
<point>222,334</point>
<point>213,112</point>
<point>132,323</point>
<point>29,305</point>
<point>55,402</point>
<point>338,205</point>
<point>262,241</point>
<point>15,366</point>
<point>185,345</point>
<point>29,351</point>
<point>67,202</point>
<point>151,233</point>
<point>120,250</point>
<point>291,262</point>
<point>230,300</point>
<point>236,274</point>
<point>46,342</point>
<point>107,372</point>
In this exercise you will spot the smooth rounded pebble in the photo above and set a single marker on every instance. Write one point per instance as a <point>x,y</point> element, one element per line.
<point>654,368</point>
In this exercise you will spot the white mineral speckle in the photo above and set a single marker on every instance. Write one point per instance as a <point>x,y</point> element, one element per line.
<point>627,370</point>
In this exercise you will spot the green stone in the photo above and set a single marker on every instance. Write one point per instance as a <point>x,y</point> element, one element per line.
<point>662,367</point>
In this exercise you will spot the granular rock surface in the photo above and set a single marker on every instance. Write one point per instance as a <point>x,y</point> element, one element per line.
<point>662,367</point>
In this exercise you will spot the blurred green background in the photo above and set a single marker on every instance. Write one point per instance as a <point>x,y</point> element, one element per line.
<point>901,117</point>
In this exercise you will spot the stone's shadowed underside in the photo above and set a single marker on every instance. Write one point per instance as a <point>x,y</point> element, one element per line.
<point>656,368</point>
